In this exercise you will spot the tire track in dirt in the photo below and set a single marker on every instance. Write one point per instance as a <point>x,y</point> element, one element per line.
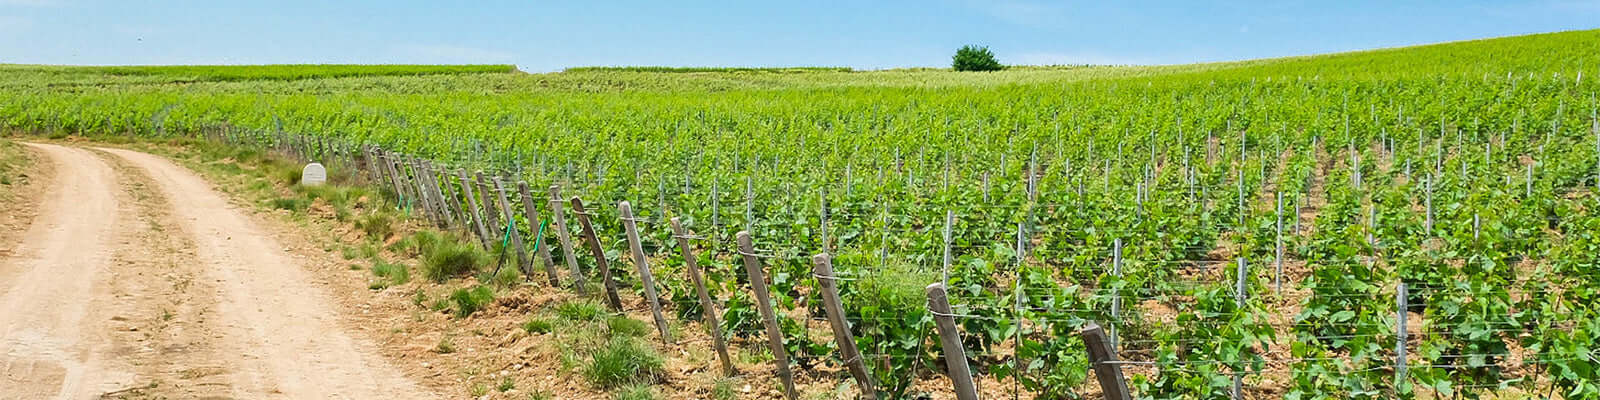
<point>160,305</point>
<point>51,344</point>
<point>281,330</point>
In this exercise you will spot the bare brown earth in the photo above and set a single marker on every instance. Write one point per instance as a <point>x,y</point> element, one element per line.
<point>127,276</point>
<point>52,342</point>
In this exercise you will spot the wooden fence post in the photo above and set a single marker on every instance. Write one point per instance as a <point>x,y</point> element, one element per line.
<point>629,224</point>
<point>708,308</point>
<point>1104,362</point>
<point>453,199</point>
<point>758,284</point>
<point>955,357</point>
<point>424,193</point>
<point>446,207</point>
<point>565,237</point>
<point>538,238</point>
<point>822,268</point>
<point>524,264</point>
<point>477,212</point>
<point>491,219</point>
<point>599,255</point>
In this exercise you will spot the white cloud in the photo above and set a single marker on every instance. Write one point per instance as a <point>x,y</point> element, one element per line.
<point>1077,58</point>
<point>438,53</point>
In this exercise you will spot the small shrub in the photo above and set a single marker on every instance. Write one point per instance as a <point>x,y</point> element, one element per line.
<point>539,395</point>
<point>621,325</point>
<point>579,311</point>
<point>538,326</point>
<point>470,301</point>
<point>506,384</point>
<point>975,58</point>
<point>624,361</point>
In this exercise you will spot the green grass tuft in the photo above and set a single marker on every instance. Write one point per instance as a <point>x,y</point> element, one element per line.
<point>635,392</point>
<point>377,226</point>
<point>389,274</point>
<point>621,325</point>
<point>538,326</point>
<point>580,311</point>
<point>623,361</point>
<point>467,302</point>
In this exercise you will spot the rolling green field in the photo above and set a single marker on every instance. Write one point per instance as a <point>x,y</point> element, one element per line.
<point>1250,219</point>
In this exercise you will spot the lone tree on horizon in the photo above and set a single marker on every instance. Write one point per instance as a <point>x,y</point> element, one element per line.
<point>975,58</point>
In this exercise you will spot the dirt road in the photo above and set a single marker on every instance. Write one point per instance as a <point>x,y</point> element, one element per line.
<point>137,279</point>
<point>50,345</point>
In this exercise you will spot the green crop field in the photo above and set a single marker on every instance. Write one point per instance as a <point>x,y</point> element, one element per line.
<point>1251,222</point>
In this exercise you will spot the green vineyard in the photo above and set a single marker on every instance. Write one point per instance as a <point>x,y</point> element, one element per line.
<point>1419,222</point>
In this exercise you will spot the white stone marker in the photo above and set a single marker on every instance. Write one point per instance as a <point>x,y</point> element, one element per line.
<point>313,175</point>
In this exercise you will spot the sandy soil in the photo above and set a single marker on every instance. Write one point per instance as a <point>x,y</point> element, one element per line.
<point>134,278</point>
<point>52,343</point>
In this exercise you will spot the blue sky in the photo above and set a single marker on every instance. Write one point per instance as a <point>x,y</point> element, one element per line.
<point>548,36</point>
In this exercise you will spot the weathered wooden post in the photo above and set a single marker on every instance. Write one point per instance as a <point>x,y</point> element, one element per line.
<point>707,307</point>
<point>758,284</point>
<point>453,199</point>
<point>524,264</point>
<point>565,237</point>
<point>955,357</point>
<point>491,218</point>
<point>599,255</point>
<point>477,212</point>
<point>538,236</point>
<point>822,268</point>
<point>1103,359</point>
<point>630,225</point>
<point>446,207</point>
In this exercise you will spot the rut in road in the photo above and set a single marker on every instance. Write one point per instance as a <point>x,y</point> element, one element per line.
<point>281,329</point>
<point>51,342</point>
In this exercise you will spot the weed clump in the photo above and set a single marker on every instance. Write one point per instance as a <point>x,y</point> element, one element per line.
<point>621,325</point>
<point>624,361</point>
<point>293,204</point>
<point>470,301</point>
<point>579,311</point>
<point>538,326</point>
<point>635,392</point>
<point>377,226</point>
<point>443,255</point>
<point>389,274</point>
